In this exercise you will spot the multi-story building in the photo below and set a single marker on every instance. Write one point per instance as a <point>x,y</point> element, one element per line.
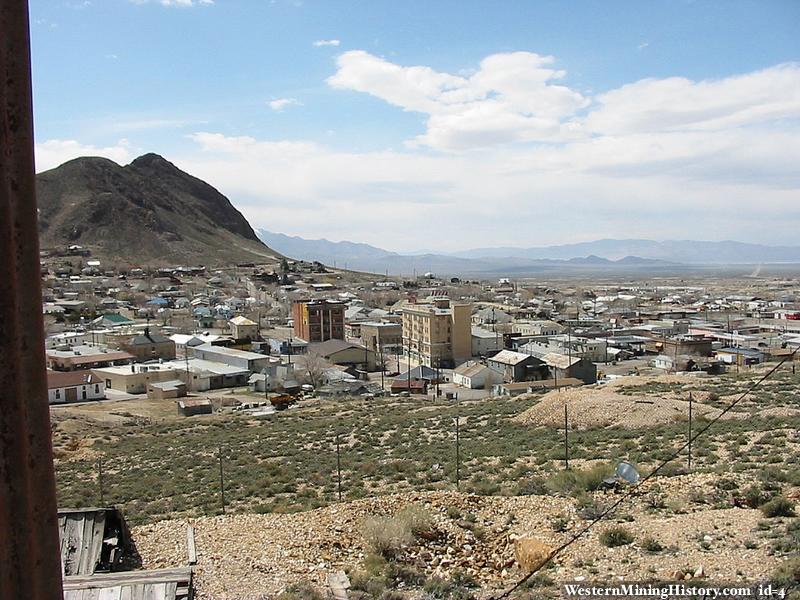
<point>382,337</point>
<point>318,320</point>
<point>437,332</point>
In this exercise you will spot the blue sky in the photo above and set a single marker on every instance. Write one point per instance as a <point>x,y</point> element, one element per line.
<point>443,124</point>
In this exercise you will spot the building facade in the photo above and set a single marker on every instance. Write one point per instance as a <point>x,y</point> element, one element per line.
<point>437,333</point>
<point>318,320</point>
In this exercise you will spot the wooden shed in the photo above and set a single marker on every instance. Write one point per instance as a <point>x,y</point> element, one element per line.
<point>159,584</point>
<point>92,540</point>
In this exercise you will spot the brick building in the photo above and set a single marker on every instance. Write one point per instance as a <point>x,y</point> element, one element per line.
<point>318,320</point>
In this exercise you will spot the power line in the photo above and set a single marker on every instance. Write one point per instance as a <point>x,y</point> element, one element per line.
<point>632,491</point>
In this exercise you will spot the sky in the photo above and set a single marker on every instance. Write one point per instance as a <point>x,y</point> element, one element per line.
<point>443,125</point>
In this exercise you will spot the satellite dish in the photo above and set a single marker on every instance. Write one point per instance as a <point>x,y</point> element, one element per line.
<point>627,472</point>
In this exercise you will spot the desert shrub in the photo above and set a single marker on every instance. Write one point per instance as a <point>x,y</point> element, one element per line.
<point>651,544</point>
<point>787,575</point>
<point>754,496</point>
<point>371,584</point>
<point>385,536</point>
<point>616,536</point>
<point>559,523</point>
<point>778,507</point>
<point>531,486</point>
<point>418,520</point>
<point>456,588</point>
<point>575,481</point>
<point>587,507</point>
<point>302,590</point>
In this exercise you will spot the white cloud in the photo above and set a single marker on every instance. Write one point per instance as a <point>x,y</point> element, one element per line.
<point>668,158</point>
<point>52,153</point>
<point>512,97</point>
<point>515,97</point>
<point>320,43</point>
<point>279,104</point>
<point>677,103</point>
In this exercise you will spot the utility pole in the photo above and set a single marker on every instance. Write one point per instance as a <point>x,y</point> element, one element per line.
<point>188,376</point>
<point>566,439</point>
<point>221,482</point>
<point>458,444</point>
<point>338,467</point>
<point>383,365</point>
<point>690,432</point>
<point>100,481</point>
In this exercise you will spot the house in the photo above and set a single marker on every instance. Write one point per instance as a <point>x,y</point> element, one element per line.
<point>112,320</point>
<point>424,372</point>
<point>473,375</point>
<point>412,386</point>
<point>740,356</point>
<point>511,366</point>
<point>134,379</point>
<point>161,390</point>
<point>200,375</point>
<point>561,367</point>
<point>241,359</point>
<point>340,352</point>
<point>74,386</point>
<point>148,346</point>
<point>243,328</point>
<point>188,340</point>
<point>86,357</point>
<point>490,316</point>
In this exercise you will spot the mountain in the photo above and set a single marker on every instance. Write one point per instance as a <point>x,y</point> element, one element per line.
<point>679,251</point>
<point>147,212</point>
<point>338,253</point>
<point>363,257</point>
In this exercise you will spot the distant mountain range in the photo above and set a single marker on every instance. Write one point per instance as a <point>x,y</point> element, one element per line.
<point>147,212</point>
<point>612,257</point>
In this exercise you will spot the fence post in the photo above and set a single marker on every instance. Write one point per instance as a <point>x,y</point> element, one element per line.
<point>338,468</point>
<point>221,482</point>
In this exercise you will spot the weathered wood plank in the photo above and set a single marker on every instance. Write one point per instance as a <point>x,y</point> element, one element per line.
<point>191,548</point>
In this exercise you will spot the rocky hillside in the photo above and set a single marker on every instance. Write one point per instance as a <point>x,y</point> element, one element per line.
<point>147,212</point>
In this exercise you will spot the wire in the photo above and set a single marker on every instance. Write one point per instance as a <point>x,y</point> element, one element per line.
<point>632,491</point>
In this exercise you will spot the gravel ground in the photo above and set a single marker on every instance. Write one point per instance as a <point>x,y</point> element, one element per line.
<point>256,556</point>
<point>604,406</point>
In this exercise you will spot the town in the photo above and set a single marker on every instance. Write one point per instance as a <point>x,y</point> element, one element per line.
<point>307,375</point>
<point>302,330</point>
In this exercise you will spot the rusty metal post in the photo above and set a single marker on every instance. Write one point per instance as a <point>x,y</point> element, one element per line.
<point>30,565</point>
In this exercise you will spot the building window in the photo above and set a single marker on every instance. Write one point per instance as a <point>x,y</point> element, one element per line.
<point>58,394</point>
<point>96,388</point>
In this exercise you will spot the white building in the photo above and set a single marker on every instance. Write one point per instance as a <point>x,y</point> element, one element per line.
<point>74,386</point>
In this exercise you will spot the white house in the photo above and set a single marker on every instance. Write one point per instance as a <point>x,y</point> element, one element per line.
<point>74,386</point>
<point>474,375</point>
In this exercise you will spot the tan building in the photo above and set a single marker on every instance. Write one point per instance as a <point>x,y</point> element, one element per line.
<point>382,337</point>
<point>243,328</point>
<point>134,379</point>
<point>437,332</point>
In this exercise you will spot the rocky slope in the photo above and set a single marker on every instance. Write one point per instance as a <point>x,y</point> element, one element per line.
<point>250,556</point>
<point>147,212</point>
